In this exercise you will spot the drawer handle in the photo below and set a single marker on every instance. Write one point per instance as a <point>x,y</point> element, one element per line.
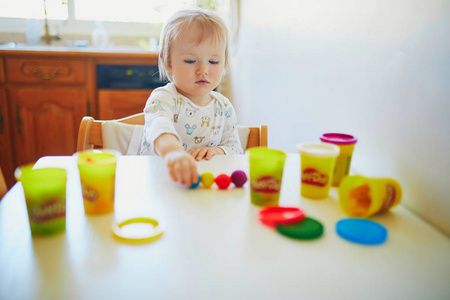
<point>44,76</point>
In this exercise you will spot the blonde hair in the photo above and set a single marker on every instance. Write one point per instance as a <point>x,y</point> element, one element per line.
<point>210,24</point>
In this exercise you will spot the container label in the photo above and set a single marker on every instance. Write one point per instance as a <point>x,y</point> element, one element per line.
<point>89,194</point>
<point>266,184</point>
<point>49,210</point>
<point>313,177</point>
<point>390,198</point>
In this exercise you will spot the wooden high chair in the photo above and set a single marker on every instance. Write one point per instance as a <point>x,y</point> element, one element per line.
<point>90,132</point>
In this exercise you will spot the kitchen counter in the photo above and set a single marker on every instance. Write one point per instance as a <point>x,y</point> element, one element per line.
<point>87,52</point>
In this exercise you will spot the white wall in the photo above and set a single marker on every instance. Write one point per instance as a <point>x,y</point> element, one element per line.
<point>377,69</point>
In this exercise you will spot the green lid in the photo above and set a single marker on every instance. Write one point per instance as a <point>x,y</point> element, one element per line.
<point>307,229</point>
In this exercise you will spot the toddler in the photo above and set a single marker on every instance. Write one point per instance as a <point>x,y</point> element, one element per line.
<point>186,120</point>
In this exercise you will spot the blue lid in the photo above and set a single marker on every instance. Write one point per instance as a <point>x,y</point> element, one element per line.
<point>361,231</point>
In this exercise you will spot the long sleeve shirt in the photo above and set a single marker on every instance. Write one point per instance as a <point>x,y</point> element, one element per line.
<point>212,125</point>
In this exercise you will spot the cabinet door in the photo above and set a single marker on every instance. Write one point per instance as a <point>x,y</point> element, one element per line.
<point>46,120</point>
<point>6,158</point>
<point>116,104</point>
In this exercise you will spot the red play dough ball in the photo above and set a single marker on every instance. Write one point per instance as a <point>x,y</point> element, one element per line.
<point>223,181</point>
<point>239,178</point>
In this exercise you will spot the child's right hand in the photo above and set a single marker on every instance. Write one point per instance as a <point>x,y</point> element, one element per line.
<point>182,167</point>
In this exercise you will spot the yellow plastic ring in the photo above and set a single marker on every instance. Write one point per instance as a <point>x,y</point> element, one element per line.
<point>153,234</point>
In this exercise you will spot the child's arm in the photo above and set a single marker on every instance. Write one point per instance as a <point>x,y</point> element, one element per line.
<point>205,152</point>
<point>181,165</point>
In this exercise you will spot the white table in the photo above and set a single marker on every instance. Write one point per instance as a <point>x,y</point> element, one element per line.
<point>213,246</point>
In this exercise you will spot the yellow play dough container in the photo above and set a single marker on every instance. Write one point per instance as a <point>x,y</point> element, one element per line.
<point>45,196</point>
<point>317,162</point>
<point>363,197</point>
<point>266,174</point>
<point>346,144</point>
<point>98,176</point>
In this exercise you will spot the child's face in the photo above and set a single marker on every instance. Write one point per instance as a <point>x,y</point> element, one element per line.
<point>196,68</point>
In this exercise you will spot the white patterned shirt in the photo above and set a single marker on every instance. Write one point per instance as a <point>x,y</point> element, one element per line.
<point>212,125</point>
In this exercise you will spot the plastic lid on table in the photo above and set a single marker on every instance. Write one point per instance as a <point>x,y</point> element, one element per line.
<point>307,229</point>
<point>361,231</point>
<point>279,215</point>
<point>338,138</point>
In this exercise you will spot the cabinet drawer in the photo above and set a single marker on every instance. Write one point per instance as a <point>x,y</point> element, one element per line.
<point>38,70</point>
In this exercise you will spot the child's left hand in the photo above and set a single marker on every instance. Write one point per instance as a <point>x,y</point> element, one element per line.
<point>205,152</point>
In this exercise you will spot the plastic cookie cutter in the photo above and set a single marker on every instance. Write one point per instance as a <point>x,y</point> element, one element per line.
<point>141,229</point>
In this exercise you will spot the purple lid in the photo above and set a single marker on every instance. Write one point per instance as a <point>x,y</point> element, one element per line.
<point>338,138</point>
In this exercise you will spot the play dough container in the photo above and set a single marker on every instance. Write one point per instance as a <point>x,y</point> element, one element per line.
<point>346,144</point>
<point>45,196</point>
<point>364,197</point>
<point>317,162</point>
<point>98,175</point>
<point>266,173</point>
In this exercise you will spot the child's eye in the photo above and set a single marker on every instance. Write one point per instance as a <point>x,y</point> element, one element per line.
<point>189,61</point>
<point>213,62</point>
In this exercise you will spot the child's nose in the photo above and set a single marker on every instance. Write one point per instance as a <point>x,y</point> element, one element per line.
<point>202,69</point>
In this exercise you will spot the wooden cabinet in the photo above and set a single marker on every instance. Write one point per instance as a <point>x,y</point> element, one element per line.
<point>2,72</point>
<point>125,85</point>
<point>43,99</point>
<point>6,156</point>
<point>46,120</point>
<point>48,99</point>
<point>45,93</point>
<point>116,104</point>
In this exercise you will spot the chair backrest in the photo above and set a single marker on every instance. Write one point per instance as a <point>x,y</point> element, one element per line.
<point>90,132</point>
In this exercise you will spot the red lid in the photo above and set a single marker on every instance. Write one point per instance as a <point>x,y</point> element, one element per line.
<point>338,138</point>
<point>278,215</point>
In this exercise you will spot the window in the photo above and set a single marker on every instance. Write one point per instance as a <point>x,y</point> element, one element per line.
<point>33,9</point>
<point>77,17</point>
<point>136,11</point>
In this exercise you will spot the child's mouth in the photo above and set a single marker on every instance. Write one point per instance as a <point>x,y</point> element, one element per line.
<point>202,82</point>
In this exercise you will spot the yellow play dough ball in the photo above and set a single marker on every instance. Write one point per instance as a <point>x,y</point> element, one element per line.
<point>207,179</point>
